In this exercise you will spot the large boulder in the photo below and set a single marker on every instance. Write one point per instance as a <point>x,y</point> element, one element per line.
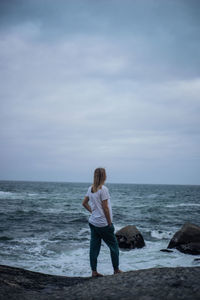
<point>129,237</point>
<point>187,239</point>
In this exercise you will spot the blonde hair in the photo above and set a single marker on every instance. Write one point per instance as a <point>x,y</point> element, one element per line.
<point>99,179</point>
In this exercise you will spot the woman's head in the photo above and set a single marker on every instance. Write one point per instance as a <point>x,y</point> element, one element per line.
<point>99,178</point>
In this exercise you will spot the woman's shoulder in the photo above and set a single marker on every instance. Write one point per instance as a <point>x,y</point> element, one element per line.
<point>90,188</point>
<point>104,188</point>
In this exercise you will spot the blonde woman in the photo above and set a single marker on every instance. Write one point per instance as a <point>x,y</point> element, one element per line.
<point>97,202</point>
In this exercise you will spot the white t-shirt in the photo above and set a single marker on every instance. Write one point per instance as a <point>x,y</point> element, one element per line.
<point>97,217</point>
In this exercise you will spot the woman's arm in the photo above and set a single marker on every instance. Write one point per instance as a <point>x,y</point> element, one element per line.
<point>86,205</point>
<point>106,211</point>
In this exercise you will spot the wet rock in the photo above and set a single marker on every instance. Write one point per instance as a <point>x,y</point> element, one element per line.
<point>190,248</point>
<point>196,261</point>
<point>166,250</point>
<point>129,237</point>
<point>17,283</point>
<point>187,239</point>
<point>151,284</point>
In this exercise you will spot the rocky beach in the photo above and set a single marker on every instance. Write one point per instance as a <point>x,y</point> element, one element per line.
<point>147,284</point>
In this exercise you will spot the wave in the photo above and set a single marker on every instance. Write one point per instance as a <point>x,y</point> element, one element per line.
<point>140,206</point>
<point>81,220</point>
<point>3,194</point>
<point>182,205</point>
<point>161,235</point>
<point>152,196</point>
<point>9,195</point>
<point>27,211</point>
<point>32,194</point>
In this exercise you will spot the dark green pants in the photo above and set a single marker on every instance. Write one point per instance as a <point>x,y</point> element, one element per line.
<point>107,234</point>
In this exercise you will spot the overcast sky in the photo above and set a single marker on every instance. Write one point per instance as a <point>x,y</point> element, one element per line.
<point>89,83</point>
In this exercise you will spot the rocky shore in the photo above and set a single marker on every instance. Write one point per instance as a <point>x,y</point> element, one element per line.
<point>155,283</point>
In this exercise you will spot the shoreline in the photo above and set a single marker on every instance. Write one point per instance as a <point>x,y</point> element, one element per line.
<point>154,283</point>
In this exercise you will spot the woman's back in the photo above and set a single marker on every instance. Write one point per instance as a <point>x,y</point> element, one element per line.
<point>97,217</point>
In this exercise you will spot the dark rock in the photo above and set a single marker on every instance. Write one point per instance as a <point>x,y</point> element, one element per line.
<point>190,248</point>
<point>151,284</point>
<point>15,282</point>
<point>187,239</point>
<point>166,250</point>
<point>129,237</point>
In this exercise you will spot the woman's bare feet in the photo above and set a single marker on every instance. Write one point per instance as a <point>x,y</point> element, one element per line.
<point>96,274</point>
<point>117,271</point>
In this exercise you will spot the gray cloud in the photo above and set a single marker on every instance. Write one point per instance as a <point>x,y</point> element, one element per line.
<point>97,83</point>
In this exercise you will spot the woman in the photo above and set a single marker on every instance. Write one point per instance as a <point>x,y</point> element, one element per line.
<point>100,221</point>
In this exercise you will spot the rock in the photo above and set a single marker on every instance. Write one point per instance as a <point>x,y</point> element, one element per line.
<point>17,283</point>
<point>166,250</point>
<point>129,237</point>
<point>150,284</point>
<point>187,239</point>
<point>190,248</point>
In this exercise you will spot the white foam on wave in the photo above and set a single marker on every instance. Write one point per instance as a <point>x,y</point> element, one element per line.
<point>152,196</point>
<point>160,235</point>
<point>150,257</point>
<point>9,195</point>
<point>33,194</point>
<point>140,206</point>
<point>182,205</point>
<point>51,210</point>
<point>3,194</point>
<point>75,262</point>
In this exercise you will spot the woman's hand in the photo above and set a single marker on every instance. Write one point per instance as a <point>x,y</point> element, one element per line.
<point>86,205</point>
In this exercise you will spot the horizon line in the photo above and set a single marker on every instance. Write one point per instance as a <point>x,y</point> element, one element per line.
<point>128,183</point>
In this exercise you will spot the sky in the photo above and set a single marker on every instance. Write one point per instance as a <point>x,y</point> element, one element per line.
<point>100,83</point>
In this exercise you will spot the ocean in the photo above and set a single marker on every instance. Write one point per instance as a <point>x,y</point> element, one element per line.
<point>44,228</point>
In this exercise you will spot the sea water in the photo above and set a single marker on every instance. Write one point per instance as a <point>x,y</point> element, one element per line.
<point>43,226</point>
